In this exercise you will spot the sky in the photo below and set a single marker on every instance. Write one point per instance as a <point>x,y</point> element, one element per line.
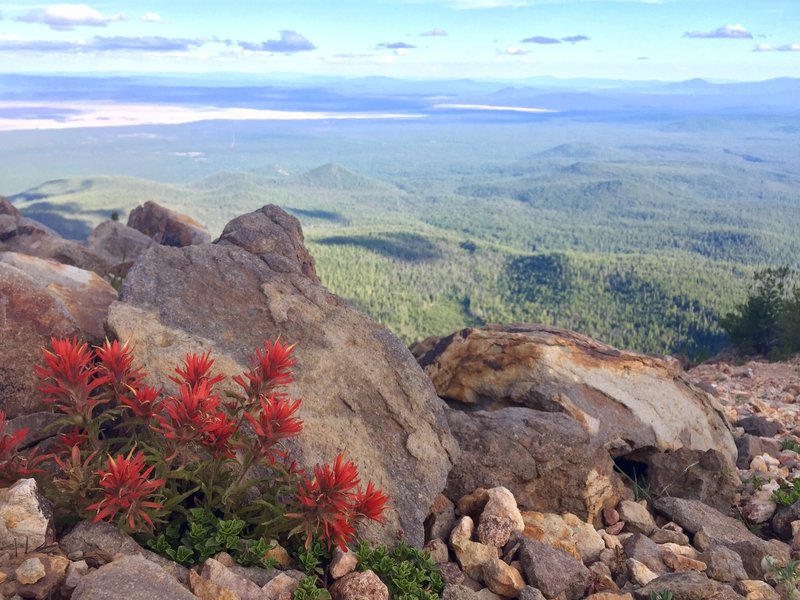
<point>668,40</point>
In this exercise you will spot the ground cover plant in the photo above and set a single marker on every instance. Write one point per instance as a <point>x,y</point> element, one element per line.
<point>194,472</point>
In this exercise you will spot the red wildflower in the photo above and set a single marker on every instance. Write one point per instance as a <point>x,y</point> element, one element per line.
<point>326,503</point>
<point>9,441</point>
<point>67,379</point>
<point>13,465</point>
<point>72,438</point>
<point>196,369</point>
<point>275,423</point>
<point>217,433</point>
<point>143,401</point>
<point>124,487</point>
<point>371,503</point>
<point>187,414</point>
<point>270,368</point>
<point>115,368</point>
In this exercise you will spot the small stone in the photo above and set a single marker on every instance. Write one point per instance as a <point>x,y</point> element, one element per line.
<point>587,541</point>
<point>612,542</point>
<point>30,571</point>
<point>553,571</point>
<point>451,573</point>
<point>610,596</point>
<point>205,589</point>
<point>437,550</point>
<point>723,564</point>
<point>342,563</point>
<point>215,571</point>
<point>359,586</point>
<point>680,550</point>
<point>23,516</point>
<point>758,464</point>
<point>664,535</point>
<point>637,518</point>
<point>753,589</point>
<point>500,518</point>
<point>279,554</point>
<point>470,555</point>
<point>75,570</point>
<point>282,587</point>
<point>441,519</point>
<point>76,556</point>
<point>610,516</point>
<point>616,528</point>
<point>639,572</point>
<point>530,593</point>
<point>225,559</point>
<point>502,579</point>
<point>679,563</point>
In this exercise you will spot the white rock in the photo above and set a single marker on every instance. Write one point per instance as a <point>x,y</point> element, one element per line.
<point>23,520</point>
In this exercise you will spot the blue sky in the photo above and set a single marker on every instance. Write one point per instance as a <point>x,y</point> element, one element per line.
<point>619,39</point>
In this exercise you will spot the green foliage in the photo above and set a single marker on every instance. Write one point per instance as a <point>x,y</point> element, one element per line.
<point>644,246</point>
<point>768,321</point>
<point>662,595</point>
<point>639,484</point>
<point>788,493</point>
<point>408,572</point>
<point>314,558</point>
<point>786,577</point>
<point>308,590</point>
<point>790,444</point>
<point>202,534</point>
<point>756,481</point>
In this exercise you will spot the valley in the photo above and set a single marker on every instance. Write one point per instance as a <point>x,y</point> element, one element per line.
<point>638,227</point>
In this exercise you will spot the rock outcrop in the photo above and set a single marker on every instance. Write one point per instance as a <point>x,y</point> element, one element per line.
<point>167,227</point>
<point>547,460</point>
<point>629,401</point>
<point>27,236</point>
<point>362,391</point>
<point>40,299</point>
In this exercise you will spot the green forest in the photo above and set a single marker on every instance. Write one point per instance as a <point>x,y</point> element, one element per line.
<point>643,235</point>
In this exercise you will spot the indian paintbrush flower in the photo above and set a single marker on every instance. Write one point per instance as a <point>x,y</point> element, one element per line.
<point>125,487</point>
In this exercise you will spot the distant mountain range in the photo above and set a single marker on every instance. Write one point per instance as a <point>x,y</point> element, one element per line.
<point>386,94</point>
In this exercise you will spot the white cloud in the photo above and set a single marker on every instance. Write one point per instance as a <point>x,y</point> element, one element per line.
<point>795,47</point>
<point>726,31</point>
<point>151,17</point>
<point>514,51</point>
<point>435,32</point>
<point>65,17</point>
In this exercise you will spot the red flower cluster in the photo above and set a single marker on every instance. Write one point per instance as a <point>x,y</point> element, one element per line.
<point>125,486</point>
<point>269,369</point>
<point>13,465</point>
<point>189,423</point>
<point>194,415</point>
<point>331,502</point>
<point>68,379</point>
<point>275,422</point>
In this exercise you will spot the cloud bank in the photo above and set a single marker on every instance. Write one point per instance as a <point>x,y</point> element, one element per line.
<point>736,32</point>
<point>290,42</point>
<point>66,17</point>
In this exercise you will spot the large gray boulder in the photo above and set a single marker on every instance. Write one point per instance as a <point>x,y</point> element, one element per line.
<point>627,400</point>
<point>362,391</point>
<point>40,299</point>
<point>132,577</point>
